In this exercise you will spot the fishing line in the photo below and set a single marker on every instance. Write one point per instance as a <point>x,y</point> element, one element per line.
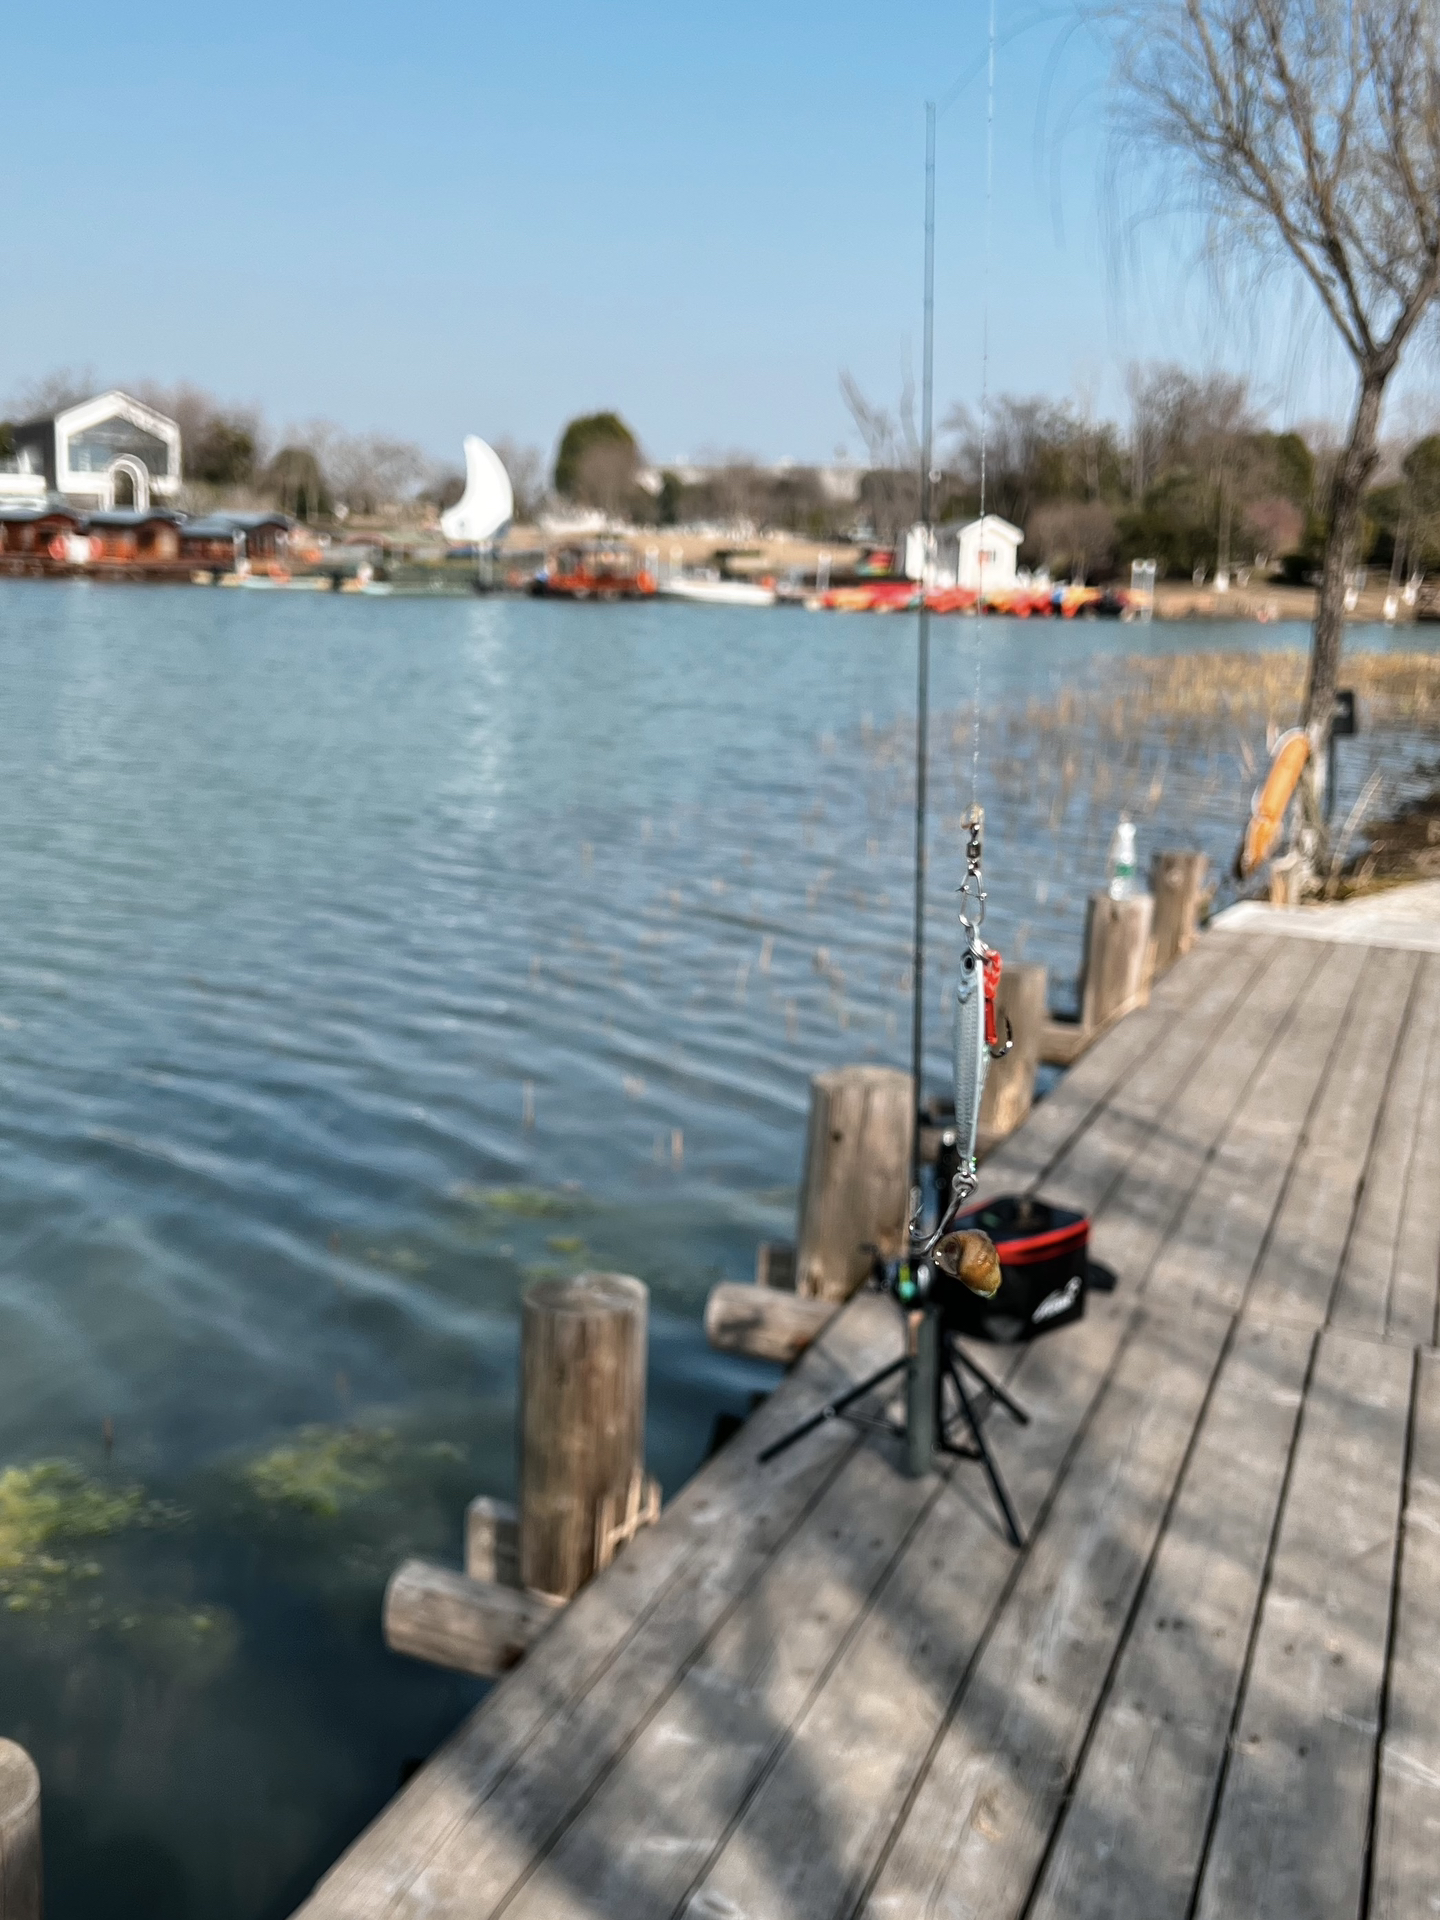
<point>984,401</point>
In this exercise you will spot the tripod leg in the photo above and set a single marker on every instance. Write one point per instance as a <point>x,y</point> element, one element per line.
<point>993,1387</point>
<point>997,1485</point>
<point>830,1410</point>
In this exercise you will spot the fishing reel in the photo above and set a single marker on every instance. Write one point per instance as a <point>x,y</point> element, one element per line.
<point>943,1279</point>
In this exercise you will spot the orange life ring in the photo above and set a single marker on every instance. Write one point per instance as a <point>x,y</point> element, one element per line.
<point>57,548</point>
<point>1272,799</point>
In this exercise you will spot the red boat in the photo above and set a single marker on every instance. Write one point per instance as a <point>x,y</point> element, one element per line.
<point>595,572</point>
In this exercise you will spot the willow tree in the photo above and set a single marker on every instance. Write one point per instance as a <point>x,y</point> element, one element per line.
<point>1311,129</point>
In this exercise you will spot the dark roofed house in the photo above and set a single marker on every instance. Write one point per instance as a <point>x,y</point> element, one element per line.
<point>218,542</point>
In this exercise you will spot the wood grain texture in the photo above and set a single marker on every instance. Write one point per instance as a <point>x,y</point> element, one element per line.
<point>635,1847</point>
<point>1212,1251</point>
<point>1405,1883</point>
<point>975,1836</point>
<point>1296,1278</point>
<point>1131,1841</point>
<point>1152,1192</point>
<point>492,1541</point>
<point>856,1178</point>
<point>1062,1117</point>
<point>1362,1295</point>
<point>545,1734</point>
<point>763,1322</point>
<point>1119,958</point>
<point>21,1880</point>
<point>583,1350</point>
<point>1010,1084</point>
<point>469,1625</point>
<point>808,1838</point>
<point>1088,1171</point>
<point>1414,1313</point>
<point>1177,881</point>
<point>1290,1833</point>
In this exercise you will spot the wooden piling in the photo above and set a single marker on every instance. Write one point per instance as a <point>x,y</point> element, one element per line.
<point>1010,1083</point>
<point>1118,959</point>
<point>21,1886</point>
<point>582,1419</point>
<point>1177,881</point>
<point>492,1542</point>
<point>857,1177</point>
<point>763,1322</point>
<point>471,1626</point>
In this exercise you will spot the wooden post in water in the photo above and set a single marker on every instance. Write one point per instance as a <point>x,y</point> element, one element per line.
<point>582,1420</point>
<point>1177,881</point>
<point>1118,958</point>
<point>857,1177</point>
<point>1010,1083</point>
<point>21,1890</point>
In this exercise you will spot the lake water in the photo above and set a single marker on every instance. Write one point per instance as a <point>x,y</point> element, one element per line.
<point>360,959</point>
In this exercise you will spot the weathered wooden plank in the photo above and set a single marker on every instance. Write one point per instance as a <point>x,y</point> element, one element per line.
<point>550,1728</point>
<point>1130,1230</point>
<point>1362,1293</point>
<point>762,1321</point>
<point>1296,1276</point>
<point>1294,1811</point>
<point>975,1836</point>
<point>1405,1879</point>
<point>1414,1313</point>
<point>1058,1120</point>
<point>1193,1043</point>
<point>637,1844</point>
<point>808,1838</point>
<point>1131,1841</point>
<point>1212,1251</point>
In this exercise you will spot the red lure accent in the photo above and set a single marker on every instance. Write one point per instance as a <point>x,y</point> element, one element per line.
<point>993,966</point>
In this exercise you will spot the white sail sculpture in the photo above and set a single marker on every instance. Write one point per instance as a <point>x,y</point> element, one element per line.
<point>488,501</point>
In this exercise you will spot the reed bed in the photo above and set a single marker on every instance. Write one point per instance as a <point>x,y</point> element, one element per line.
<point>1147,694</point>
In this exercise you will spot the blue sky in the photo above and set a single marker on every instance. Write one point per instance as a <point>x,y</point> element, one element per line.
<point>431,220</point>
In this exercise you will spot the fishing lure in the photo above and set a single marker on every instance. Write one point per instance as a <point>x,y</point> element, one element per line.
<point>977,1037</point>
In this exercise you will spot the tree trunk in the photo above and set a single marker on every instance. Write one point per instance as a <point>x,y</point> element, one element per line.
<point>1357,463</point>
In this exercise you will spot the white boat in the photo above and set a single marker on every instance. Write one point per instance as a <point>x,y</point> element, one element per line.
<point>709,590</point>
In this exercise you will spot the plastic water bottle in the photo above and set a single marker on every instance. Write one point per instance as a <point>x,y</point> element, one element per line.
<point>1122,860</point>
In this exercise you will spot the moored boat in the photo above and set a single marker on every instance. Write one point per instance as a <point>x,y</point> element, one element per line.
<point>595,572</point>
<point>710,590</point>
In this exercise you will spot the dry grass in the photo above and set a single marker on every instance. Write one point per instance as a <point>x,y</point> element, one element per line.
<point>1191,693</point>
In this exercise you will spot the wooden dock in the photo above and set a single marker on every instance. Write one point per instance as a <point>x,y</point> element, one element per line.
<point>1210,1684</point>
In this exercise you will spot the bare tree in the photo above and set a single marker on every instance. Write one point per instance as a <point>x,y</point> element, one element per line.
<point>891,489</point>
<point>53,392</point>
<point>1073,536</point>
<point>1312,129</point>
<point>526,468</point>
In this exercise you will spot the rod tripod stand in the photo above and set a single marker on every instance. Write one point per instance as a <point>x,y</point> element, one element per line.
<point>933,1355</point>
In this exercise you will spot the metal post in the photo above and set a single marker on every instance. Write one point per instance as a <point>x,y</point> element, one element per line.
<point>922,686</point>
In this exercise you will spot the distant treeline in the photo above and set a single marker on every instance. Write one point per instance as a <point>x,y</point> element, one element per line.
<point>1193,479</point>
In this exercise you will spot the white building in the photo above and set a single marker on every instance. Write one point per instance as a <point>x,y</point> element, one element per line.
<point>980,555</point>
<point>108,452</point>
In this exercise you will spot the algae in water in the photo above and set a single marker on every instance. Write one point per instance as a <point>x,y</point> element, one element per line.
<point>48,1509</point>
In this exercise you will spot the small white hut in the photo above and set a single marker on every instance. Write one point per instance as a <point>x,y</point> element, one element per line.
<point>979,555</point>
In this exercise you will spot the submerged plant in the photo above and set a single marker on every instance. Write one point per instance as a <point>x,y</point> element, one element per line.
<point>53,1506</point>
<point>521,1203</point>
<point>324,1470</point>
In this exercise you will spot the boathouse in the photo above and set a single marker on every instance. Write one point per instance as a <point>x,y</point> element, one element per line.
<point>102,454</point>
<point>980,555</point>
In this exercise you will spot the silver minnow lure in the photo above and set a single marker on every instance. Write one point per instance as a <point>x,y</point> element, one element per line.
<point>972,1055</point>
